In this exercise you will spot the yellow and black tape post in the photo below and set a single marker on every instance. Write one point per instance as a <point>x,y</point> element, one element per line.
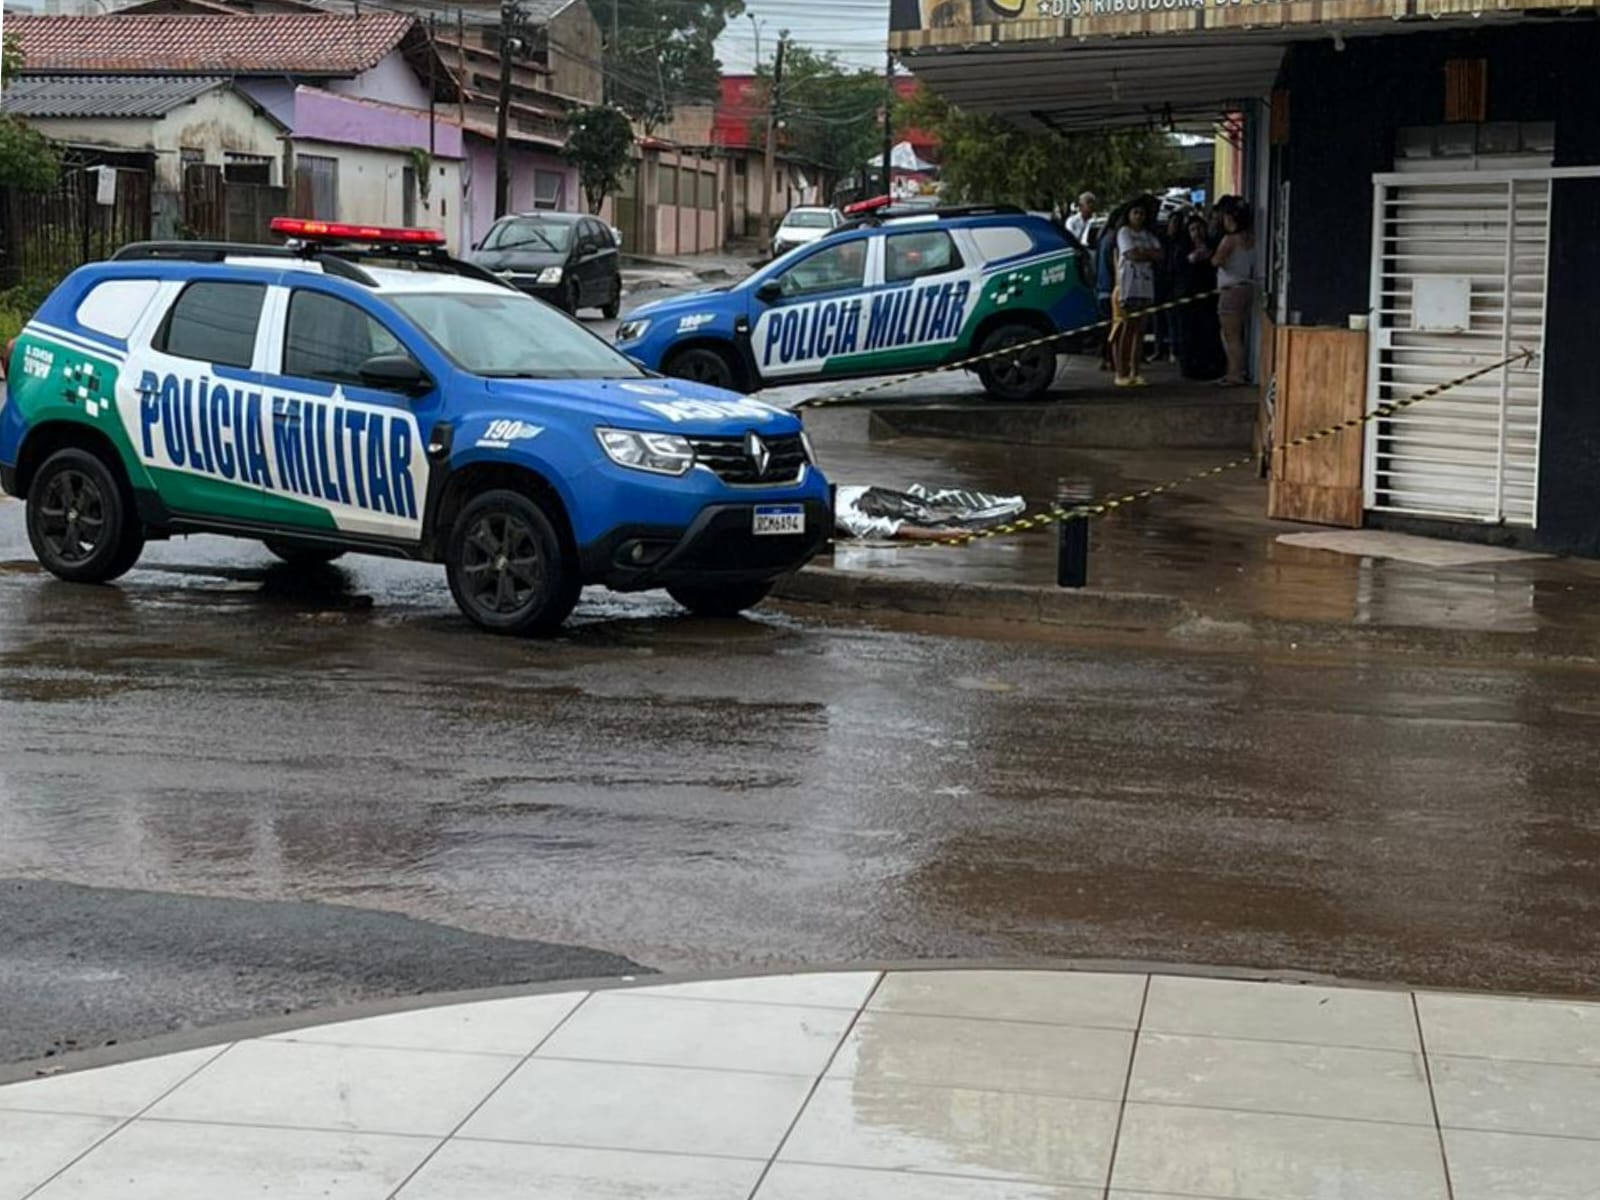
<point>1111,504</point>
<point>1012,350</point>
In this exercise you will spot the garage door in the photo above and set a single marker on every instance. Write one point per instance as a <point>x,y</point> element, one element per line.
<point>1458,283</point>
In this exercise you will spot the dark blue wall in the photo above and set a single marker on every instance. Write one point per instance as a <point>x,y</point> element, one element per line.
<point>1345,107</point>
<point>1569,442</point>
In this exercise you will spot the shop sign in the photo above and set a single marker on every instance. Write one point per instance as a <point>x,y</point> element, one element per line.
<point>1076,17</point>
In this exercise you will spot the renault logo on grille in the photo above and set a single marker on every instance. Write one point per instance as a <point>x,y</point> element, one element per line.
<point>758,452</point>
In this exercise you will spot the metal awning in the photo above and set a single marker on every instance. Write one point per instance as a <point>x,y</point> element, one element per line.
<point>1181,80</point>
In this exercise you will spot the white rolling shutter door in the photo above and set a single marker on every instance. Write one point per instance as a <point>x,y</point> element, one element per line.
<point>1471,454</point>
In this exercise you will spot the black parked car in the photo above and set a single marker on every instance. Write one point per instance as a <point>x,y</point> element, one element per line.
<point>565,258</point>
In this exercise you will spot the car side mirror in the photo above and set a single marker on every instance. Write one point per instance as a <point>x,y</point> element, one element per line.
<point>395,373</point>
<point>770,290</point>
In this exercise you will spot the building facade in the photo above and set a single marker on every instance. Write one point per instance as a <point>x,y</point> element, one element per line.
<point>1426,175</point>
<point>555,67</point>
<point>346,115</point>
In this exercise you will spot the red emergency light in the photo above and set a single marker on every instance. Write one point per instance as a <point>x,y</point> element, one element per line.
<point>335,231</point>
<point>862,206</point>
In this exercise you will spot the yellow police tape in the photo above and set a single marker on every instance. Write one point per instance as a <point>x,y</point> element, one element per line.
<point>1004,352</point>
<point>1111,504</point>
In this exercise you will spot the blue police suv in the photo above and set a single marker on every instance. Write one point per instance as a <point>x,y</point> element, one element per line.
<point>359,390</point>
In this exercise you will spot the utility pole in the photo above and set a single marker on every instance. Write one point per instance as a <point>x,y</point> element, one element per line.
<point>461,68</point>
<point>888,118</point>
<point>616,43</point>
<point>433,84</point>
<point>502,146</point>
<point>773,101</point>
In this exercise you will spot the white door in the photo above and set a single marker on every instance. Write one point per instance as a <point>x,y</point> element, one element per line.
<point>1458,283</point>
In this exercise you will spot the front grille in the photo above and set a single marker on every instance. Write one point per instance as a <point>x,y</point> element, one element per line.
<point>730,458</point>
<point>727,544</point>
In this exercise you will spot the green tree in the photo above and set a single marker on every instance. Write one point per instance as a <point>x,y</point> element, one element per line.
<point>600,145</point>
<point>985,160</point>
<point>27,159</point>
<point>663,53</point>
<point>829,114</point>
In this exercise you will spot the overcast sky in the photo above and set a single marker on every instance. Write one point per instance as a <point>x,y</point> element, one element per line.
<point>856,30</point>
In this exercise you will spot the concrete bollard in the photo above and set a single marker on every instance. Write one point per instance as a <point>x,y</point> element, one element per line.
<point>1072,538</point>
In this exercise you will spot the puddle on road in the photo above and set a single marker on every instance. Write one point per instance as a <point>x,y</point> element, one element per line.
<point>62,689</point>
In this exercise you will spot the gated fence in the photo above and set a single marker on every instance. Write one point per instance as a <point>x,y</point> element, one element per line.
<point>43,235</point>
<point>220,209</point>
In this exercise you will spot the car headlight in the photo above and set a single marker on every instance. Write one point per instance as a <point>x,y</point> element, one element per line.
<point>550,275</point>
<point>663,453</point>
<point>632,330</point>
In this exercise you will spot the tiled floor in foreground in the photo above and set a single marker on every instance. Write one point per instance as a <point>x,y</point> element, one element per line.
<point>937,1085</point>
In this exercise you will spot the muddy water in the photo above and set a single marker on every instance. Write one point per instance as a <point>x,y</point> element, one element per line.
<point>698,794</point>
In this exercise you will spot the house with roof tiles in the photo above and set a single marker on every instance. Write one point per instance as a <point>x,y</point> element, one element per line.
<point>556,66</point>
<point>351,95</point>
<point>381,117</point>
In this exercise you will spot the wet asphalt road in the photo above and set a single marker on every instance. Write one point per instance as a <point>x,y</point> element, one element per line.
<point>271,793</point>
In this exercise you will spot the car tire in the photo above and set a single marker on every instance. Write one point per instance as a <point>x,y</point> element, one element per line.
<point>495,532</point>
<point>80,518</point>
<point>302,554</point>
<point>719,600</point>
<point>1028,376</point>
<point>612,308</point>
<point>704,364</point>
<point>571,296</point>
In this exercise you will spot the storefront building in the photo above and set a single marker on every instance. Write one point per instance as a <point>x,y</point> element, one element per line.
<point>1426,175</point>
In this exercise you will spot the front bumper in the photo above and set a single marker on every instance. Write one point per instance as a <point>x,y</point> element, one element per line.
<point>553,292</point>
<point>717,547</point>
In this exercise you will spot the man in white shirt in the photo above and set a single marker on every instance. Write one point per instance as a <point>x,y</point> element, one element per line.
<point>1078,222</point>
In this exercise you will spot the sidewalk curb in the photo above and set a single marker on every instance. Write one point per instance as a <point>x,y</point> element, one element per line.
<point>248,1028</point>
<point>1169,618</point>
<point>983,601</point>
<point>707,271</point>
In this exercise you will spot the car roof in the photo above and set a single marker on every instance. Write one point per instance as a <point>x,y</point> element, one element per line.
<point>544,214</point>
<point>379,267</point>
<point>392,280</point>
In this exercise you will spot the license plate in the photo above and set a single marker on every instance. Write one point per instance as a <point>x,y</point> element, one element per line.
<point>779,519</point>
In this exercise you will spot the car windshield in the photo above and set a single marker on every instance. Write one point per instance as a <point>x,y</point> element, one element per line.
<point>529,232</point>
<point>510,336</point>
<point>809,220</point>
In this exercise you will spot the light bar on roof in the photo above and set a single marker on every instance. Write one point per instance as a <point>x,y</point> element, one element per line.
<point>861,206</point>
<point>336,231</point>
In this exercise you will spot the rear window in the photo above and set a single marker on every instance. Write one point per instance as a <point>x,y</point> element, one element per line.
<point>1001,241</point>
<point>214,323</point>
<point>115,306</point>
<point>809,220</point>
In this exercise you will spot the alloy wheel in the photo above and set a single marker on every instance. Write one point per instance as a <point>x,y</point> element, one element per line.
<point>72,516</point>
<point>501,564</point>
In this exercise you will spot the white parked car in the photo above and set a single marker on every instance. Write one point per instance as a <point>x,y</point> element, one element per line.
<point>802,226</point>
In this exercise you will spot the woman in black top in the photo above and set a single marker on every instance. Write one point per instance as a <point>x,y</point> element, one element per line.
<point>1169,284</point>
<point>1202,356</point>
